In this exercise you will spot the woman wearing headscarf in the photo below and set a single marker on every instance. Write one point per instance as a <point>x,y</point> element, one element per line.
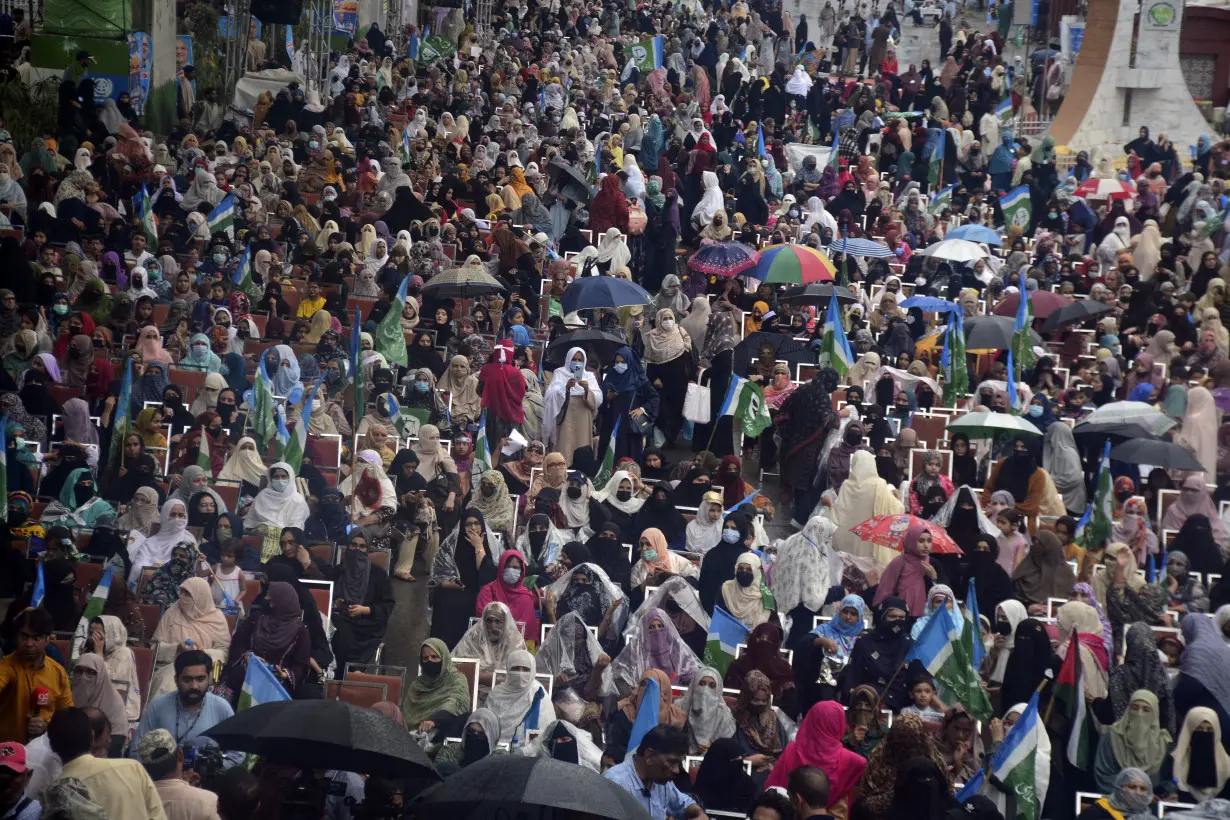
<point>1020,474</point>
<point>1200,764</point>
<point>1141,669</point>
<point>708,717</point>
<point>619,724</point>
<point>491,641</point>
<point>1030,661</point>
<point>653,645</point>
<point>509,589</point>
<point>572,399</point>
<point>277,636</point>
<point>366,602</point>
<point>1061,460</point>
<point>1136,740</point>
<point>192,616</point>
<point>244,465</point>
<point>763,654</point>
<point>464,564</point>
<point>109,638</point>
<point>1193,500</point>
<point>906,744</point>
<point>1199,429</point>
<point>876,656</point>
<point>818,744</point>
<point>908,575</point>
<point>1202,677</point>
<point>745,596</point>
<point>439,693</point>
<point>1131,793</point>
<point>863,495</point>
<point>1044,572</point>
<point>504,392</point>
<point>519,701</point>
<point>78,506</point>
<point>1125,596</point>
<point>1080,626</point>
<point>462,386</point>
<point>92,688</point>
<point>722,783</point>
<point>278,505</point>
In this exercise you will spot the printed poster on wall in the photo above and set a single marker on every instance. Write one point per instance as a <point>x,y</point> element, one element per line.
<point>346,15</point>
<point>140,63</point>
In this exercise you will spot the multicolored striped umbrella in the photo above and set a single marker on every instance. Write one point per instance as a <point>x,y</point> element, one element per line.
<point>793,265</point>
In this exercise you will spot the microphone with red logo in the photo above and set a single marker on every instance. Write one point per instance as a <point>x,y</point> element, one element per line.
<point>40,699</point>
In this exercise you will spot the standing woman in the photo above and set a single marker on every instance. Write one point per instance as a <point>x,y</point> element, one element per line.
<point>572,399</point>
<point>629,398</point>
<point>464,564</point>
<point>668,354</point>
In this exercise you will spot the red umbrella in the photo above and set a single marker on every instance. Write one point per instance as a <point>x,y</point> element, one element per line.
<point>888,530</point>
<point>1094,188</point>
<point>1044,303</point>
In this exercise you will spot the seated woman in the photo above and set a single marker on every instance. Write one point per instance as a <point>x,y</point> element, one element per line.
<point>162,588</point>
<point>705,530</point>
<point>277,636</point>
<point>362,604</point>
<point>1130,794</point>
<point>661,513</point>
<point>279,505</point>
<point>1136,739</point>
<point>759,731</point>
<point>322,654</point>
<point>864,721</point>
<point>570,654</point>
<point>439,694</point>
<point>1199,764</point>
<point>78,505</point>
<point>619,722</point>
<point>929,490</point>
<point>491,642</point>
<point>586,591</point>
<point>519,700</point>
<point>679,600</point>
<point>763,654</point>
<point>654,644</point>
<point>568,743</point>
<point>1185,593</point>
<point>657,561</point>
<point>620,502</point>
<point>959,745</point>
<point>195,617</point>
<point>92,687</point>
<point>834,638</point>
<point>509,589</point>
<point>745,596</point>
<point>480,740</point>
<point>722,784</point>
<point>708,717</point>
<point>109,638</point>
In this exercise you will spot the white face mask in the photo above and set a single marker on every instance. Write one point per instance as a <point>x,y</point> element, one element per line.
<point>279,484</point>
<point>520,678</point>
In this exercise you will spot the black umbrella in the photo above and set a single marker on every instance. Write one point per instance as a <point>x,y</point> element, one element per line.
<point>599,346</point>
<point>817,293</point>
<point>1111,429</point>
<point>504,786</point>
<point>324,734</point>
<point>463,283</point>
<point>571,182</point>
<point>1074,314</point>
<point>992,333</point>
<point>786,347</point>
<point>1157,453</point>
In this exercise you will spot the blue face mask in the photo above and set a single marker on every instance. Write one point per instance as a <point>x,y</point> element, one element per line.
<point>731,536</point>
<point>1035,410</point>
<point>621,367</point>
<point>421,387</point>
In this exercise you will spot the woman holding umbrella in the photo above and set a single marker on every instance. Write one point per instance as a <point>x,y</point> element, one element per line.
<point>668,354</point>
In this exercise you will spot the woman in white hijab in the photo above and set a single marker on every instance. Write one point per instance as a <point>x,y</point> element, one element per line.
<point>697,321</point>
<point>1147,250</point>
<point>744,596</point>
<point>278,505</point>
<point>433,458</point>
<point>709,718</point>
<point>800,83</point>
<point>547,744</point>
<point>138,284</point>
<point>613,251</point>
<point>1117,240</point>
<point>12,195</point>
<point>817,215</point>
<point>156,549</point>
<point>572,399</point>
<point>863,495</point>
<point>244,464</point>
<point>634,187</point>
<point>519,700</point>
<point>705,530</point>
<point>710,202</point>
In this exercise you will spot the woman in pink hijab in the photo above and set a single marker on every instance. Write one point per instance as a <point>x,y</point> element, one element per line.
<point>906,576</point>
<point>1193,500</point>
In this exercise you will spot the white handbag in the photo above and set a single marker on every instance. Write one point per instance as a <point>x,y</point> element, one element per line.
<point>696,407</point>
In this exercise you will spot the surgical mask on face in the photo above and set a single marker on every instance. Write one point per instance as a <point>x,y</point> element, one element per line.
<point>279,484</point>
<point>576,368</point>
<point>668,324</point>
<point>730,536</point>
<point>421,387</point>
<point>1035,410</point>
<point>511,575</point>
<point>60,310</point>
<point>313,145</point>
<point>219,259</point>
<point>621,367</point>
<point>649,555</point>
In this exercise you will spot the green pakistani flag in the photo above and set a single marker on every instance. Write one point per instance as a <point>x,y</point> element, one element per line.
<point>933,167</point>
<point>389,338</point>
<point>482,448</point>
<point>122,417</point>
<point>1018,210</point>
<point>608,458</point>
<point>944,655</point>
<point>752,410</point>
<point>1098,519</point>
<point>202,453</point>
<point>953,360</point>
<point>264,425</point>
<point>435,48</point>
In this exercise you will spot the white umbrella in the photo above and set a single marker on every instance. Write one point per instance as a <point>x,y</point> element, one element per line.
<point>985,424</point>
<point>956,250</point>
<point>1143,415</point>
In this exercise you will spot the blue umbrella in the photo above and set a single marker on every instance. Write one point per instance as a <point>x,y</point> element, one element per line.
<point>860,247</point>
<point>933,304</point>
<point>976,233</point>
<point>590,292</point>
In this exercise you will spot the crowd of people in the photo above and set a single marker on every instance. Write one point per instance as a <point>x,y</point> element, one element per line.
<point>238,370</point>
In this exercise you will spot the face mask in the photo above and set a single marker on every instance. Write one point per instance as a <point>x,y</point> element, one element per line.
<point>731,536</point>
<point>421,387</point>
<point>60,310</point>
<point>649,555</point>
<point>313,145</point>
<point>744,578</point>
<point>219,259</point>
<point>1035,410</point>
<point>621,367</point>
<point>576,368</point>
<point>511,575</point>
<point>853,437</point>
<point>624,495</point>
<point>279,484</point>
<point>668,324</point>
<point>537,539</point>
<point>574,493</point>
<point>431,669</point>
<point>476,746</point>
<point>83,493</point>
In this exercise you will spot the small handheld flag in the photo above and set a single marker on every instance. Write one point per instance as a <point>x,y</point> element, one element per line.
<point>222,218</point>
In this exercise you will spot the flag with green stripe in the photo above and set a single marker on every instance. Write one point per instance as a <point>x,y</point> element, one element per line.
<point>608,457</point>
<point>834,346</point>
<point>264,425</point>
<point>298,440</point>
<point>389,340</point>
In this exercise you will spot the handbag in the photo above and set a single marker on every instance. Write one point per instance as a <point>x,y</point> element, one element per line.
<point>640,425</point>
<point>696,403</point>
<point>637,220</point>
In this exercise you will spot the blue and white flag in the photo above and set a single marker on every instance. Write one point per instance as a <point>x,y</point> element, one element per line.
<point>222,218</point>
<point>1023,763</point>
<point>260,685</point>
<point>646,716</point>
<point>834,346</point>
<point>725,635</point>
<point>760,152</point>
<point>40,588</point>
<point>1003,111</point>
<point>1017,208</point>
